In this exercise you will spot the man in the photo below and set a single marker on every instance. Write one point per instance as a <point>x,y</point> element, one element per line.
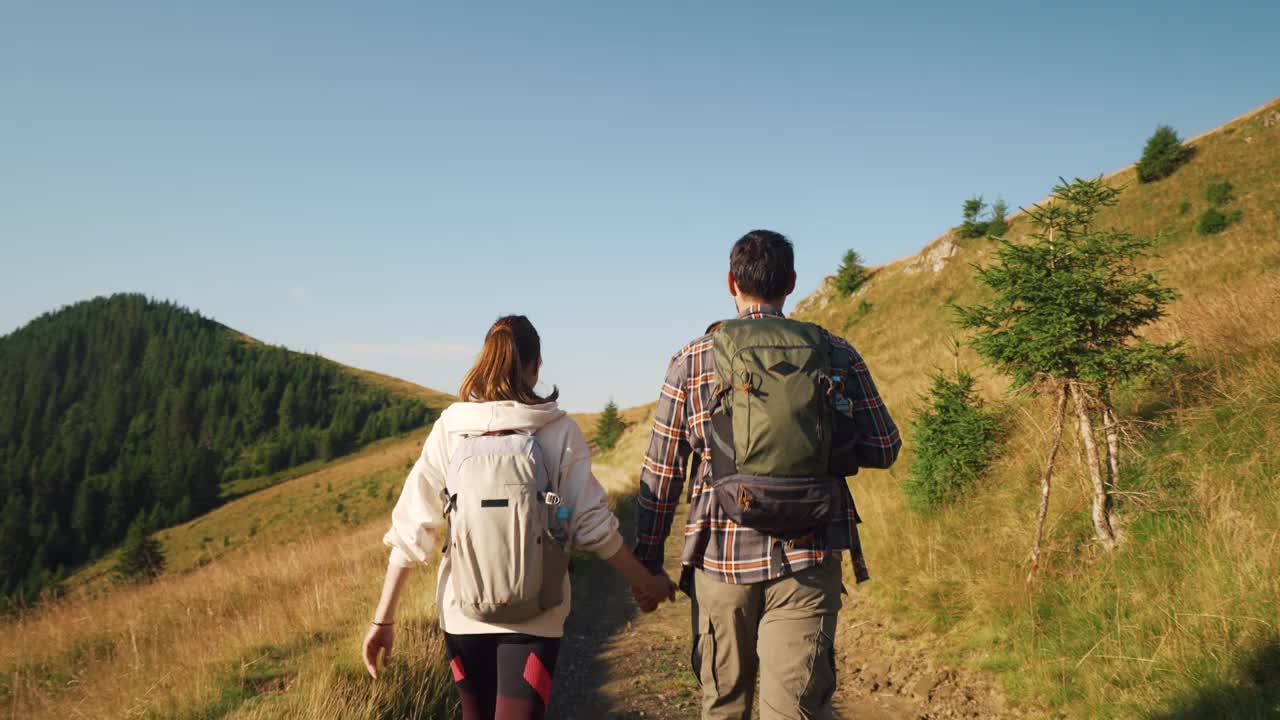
<point>769,455</point>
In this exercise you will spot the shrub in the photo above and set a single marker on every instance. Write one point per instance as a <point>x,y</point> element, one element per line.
<point>141,555</point>
<point>978,222</point>
<point>1213,221</point>
<point>864,309</point>
<point>999,224</point>
<point>852,274</point>
<point>1163,154</point>
<point>955,442</point>
<point>1184,207</point>
<point>1219,193</point>
<point>609,428</point>
<point>973,226</point>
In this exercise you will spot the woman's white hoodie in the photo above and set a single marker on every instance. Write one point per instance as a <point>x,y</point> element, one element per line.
<point>418,522</point>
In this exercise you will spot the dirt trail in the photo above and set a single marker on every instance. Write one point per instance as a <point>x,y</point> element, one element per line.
<point>620,663</point>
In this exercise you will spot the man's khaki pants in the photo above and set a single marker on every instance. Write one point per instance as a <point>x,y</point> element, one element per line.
<point>783,628</point>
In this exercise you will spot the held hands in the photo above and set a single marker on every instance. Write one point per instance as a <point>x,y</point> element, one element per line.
<point>653,591</point>
<point>379,640</point>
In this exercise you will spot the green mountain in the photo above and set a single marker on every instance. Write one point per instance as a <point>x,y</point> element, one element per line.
<point>123,409</point>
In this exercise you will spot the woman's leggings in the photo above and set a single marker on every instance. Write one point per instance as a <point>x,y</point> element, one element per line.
<point>502,676</point>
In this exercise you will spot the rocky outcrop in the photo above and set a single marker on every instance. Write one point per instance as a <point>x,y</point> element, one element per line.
<point>819,297</point>
<point>934,257</point>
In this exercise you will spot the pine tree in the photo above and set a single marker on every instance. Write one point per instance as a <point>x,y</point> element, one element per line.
<point>852,274</point>
<point>999,223</point>
<point>1162,156</point>
<point>289,411</point>
<point>609,427</point>
<point>1065,317</point>
<point>141,555</point>
<point>955,440</point>
<point>15,543</point>
<point>973,226</point>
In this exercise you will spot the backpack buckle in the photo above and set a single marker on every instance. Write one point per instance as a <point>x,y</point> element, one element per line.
<point>803,541</point>
<point>551,498</point>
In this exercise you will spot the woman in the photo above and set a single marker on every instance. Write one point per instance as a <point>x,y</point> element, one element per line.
<point>504,480</point>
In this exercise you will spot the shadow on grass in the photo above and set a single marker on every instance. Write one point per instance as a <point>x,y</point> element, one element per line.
<point>260,671</point>
<point>1256,696</point>
<point>1191,383</point>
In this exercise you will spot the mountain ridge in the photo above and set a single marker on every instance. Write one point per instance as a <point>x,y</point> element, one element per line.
<point>826,286</point>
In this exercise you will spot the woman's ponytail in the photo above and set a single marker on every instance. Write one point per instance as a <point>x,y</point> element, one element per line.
<point>511,346</point>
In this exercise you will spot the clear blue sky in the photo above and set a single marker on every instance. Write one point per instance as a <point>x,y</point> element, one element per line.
<point>378,181</point>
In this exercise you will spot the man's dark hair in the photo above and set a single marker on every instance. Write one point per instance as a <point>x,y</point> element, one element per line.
<point>762,262</point>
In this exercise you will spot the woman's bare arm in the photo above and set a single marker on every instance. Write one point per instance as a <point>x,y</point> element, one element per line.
<point>392,587</point>
<point>382,631</point>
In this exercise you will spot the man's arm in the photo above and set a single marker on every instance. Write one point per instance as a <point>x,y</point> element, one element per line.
<point>662,474</point>
<point>880,440</point>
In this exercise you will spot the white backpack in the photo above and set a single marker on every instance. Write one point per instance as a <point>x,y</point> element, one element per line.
<point>506,565</point>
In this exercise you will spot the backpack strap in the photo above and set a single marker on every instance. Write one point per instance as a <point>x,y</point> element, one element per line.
<point>837,380</point>
<point>449,500</point>
<point>450,503</point>
<point>558,512</point>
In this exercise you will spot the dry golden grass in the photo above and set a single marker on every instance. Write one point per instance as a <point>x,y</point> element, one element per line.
<point>212,641</point>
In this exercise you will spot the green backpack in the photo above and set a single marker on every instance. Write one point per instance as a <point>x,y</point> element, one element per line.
<point>782,431</point>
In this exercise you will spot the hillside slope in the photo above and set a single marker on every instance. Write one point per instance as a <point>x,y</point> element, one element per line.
<point>1183,620</point>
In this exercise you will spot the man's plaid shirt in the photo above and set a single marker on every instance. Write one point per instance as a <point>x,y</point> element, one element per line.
<point>729,552</point>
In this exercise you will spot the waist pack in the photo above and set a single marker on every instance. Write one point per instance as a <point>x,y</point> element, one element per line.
<point>507,534</point>
<point>782,431</point>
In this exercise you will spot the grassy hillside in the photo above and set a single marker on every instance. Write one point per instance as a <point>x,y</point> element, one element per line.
<point>1182,621</point>
<point>259,614</point>
<point>329,497</point>
<point>272,631</point>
